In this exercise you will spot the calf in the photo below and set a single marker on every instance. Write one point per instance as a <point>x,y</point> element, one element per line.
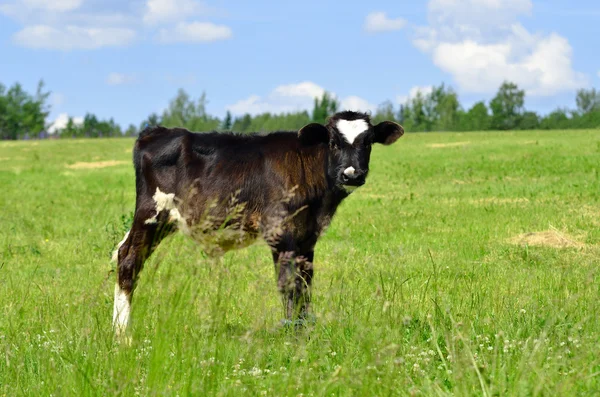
<point>226,190</point>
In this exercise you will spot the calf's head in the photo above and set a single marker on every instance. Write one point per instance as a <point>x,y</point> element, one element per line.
<point>350,136</point>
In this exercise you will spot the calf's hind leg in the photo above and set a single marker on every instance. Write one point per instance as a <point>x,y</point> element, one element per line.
<point>132,252</point>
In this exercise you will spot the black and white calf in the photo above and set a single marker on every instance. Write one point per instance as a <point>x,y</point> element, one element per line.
<point>283,187</point>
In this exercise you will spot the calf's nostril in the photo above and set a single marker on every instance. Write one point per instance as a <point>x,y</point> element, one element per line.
<point>350,171</point>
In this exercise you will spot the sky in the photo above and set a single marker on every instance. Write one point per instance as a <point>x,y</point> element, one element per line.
<point>127,59</point>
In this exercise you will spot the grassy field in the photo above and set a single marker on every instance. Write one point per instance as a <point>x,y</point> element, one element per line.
<point>468,265</point>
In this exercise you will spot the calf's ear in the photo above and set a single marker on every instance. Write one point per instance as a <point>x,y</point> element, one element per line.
<point>388,132</point>
<point>313,134</point>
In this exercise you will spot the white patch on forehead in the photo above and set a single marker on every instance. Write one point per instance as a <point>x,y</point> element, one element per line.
<point>121,312</point>
<point>350,129</point>
<point>349,171</point>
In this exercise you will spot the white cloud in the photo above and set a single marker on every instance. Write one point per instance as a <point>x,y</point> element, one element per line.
<point>481,44</point>
<point>158,11</point>
<point>304,89</point>
<point>379,22</point>
<point>357,104</point>
<point>481,13</point>
<point>481,68</point>
<point>54,5</point>
<point>65,12</point>
<point>284,98</point>
<point>20,7</point>
<point>254,104</point>
<point>120,78</point>
<point>414,91</point>
<point>73,25</point>
<point>72,37</point>
<point>293,98</point>
<point>106,19</point>
<point>61,122</point>
<point>198,32</point>
<point>425,38</point>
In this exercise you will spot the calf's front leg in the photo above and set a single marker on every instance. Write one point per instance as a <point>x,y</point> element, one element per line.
<point>294,279</point>
<point>130,255</point>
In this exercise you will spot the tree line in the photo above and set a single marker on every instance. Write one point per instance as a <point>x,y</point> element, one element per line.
<point>24,115</point>
<point>440,110</point>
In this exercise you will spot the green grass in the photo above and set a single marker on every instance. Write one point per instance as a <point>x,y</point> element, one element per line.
<point>418,288</point>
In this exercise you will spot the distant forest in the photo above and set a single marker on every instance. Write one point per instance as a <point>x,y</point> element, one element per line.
<point>24,115</point>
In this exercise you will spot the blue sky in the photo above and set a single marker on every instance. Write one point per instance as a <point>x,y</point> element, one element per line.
<point>126,59</point>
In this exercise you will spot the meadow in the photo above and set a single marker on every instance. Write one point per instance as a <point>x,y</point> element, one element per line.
<point>469,264</point>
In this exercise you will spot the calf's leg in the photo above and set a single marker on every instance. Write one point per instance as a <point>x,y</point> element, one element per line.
<point>294,279</point>
<point>132,252</point>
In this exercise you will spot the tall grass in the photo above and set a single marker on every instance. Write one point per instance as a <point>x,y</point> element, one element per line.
<point>425,283</point>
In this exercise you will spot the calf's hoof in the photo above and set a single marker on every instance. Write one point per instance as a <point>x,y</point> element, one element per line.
<point>302,322</point>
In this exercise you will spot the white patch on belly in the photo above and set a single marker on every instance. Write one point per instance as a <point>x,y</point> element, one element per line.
<point>121,312</point>
<point>115,255</point>
<point>349,171</point>
<point>166,202</point>
<point>350,129</point>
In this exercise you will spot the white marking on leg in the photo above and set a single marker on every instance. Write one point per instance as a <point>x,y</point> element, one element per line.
<point>115,255</point>
<point>350,129</point>
<point>349,171</point>
<point>121,311</point>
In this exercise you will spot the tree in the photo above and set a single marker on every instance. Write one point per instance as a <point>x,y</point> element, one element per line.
<point>227,122</point>
<point>90,126</point>
<point>476,119</point>
<point>445,107</point>
<point>184,112</point>
<point>324,107</point>
<point>70,130</point>
<point>180,111</point>
<point>4,134</point>
<point>507,107</point>
<point>384,112</point>
<point>403,115</point>
<point>555,120</point>
<point>529,121</point>
<point>418,112</point>
<point>242,124</point>
<point>588,120</point>
<point>437,110</point>
<point>131,131</point>
<point>111,128</point>
<point>151,121</point>
<point>21,114</point>
<point>587,101</point>
<point>35,111</point>
<point>93,127</point>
